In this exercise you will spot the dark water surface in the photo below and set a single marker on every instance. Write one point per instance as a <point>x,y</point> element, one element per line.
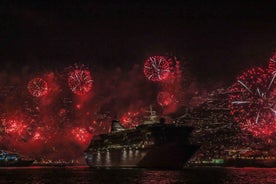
<point>40,175</point>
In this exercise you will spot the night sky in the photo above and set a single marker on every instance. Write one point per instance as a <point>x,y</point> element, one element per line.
<point>216,41</point>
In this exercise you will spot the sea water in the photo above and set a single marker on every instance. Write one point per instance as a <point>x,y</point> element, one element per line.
<point>204,175</point>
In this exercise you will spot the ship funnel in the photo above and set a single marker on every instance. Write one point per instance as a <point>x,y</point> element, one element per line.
<point>116,126</point>
<point>152,118</point>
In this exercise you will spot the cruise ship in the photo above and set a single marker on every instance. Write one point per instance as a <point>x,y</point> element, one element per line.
<point>153,144</point>
<point>10,159</point>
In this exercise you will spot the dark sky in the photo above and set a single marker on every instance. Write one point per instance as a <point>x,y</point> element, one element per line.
<point>217,41</point>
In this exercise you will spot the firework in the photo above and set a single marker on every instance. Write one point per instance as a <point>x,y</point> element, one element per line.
<point>16,127</point>
<point>253,102</point>
<point>44,133</point>
<point>157,68</point>
<point>80,81</point>
<point>37,136</point>
<point>164,98</point>
<point>38,87</point>
<point>272,64</point>
<point>38,126</point>
<point>33,126</point>
<point>130,119</point>
<point>81,135</point>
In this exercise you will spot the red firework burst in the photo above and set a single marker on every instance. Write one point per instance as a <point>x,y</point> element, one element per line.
<point>253,102</point>
<point>272,64</point>
<point>81,135</point>
<point>157,68</point>
<point>38,87</point>
<point>37,136</point>
<point>164,98</point>
<point>130,119</point>
<point>16,128</point>
<point>43,134</point>
<point>80,81</point>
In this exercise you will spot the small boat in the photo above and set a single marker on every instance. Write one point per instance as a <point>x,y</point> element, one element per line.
<point>11,159</point>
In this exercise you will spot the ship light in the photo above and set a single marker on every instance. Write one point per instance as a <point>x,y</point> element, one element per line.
<point>124,156</point>
<point>98,159</point>
<point>107,158</point>
<point>130,153</point>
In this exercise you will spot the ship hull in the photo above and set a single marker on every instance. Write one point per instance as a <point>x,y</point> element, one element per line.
<point>167,156</point>
<point>21,163</point>
<point>239,162</point>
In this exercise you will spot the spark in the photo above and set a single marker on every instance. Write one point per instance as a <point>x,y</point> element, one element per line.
<point>244,86</point>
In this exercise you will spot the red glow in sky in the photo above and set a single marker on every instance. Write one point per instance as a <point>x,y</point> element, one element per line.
<point>164,98</point>
<point>62,120</point>
<point>37,126</point>
<point>99,127</point>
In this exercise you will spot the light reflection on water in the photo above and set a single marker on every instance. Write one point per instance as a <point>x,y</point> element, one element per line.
<point>40,175</point>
